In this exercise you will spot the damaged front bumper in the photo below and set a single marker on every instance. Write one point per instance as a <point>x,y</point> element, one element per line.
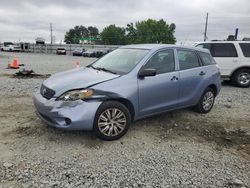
<point>70,115</point>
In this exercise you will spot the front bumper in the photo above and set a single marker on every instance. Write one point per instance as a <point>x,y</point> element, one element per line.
<point>70,115</point>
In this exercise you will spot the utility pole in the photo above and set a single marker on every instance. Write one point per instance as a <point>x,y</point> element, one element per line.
<point>51,39</point>
<point>205,33</point>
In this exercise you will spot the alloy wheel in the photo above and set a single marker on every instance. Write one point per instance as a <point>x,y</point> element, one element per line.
<point>112,122</point>
<point>244,78</point>
<point>208,100</point>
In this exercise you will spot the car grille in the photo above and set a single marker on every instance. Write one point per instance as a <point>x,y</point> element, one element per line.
<point>46,92</point>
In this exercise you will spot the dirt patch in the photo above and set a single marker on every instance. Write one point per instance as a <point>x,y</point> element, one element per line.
<point>212,132</point>
<point>19,132</point>
<point>224,134</point>
<point>38,76</point>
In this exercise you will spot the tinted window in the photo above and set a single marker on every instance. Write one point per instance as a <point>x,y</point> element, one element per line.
<point>245,47</point>
<point>207,59</point>
<point>162,61</point>
<point>223,50</point>
<point>187,59</point>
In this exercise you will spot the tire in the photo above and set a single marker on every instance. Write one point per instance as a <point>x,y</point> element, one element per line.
<point>206,101</point>
<point>107,128</point>
<point>241,78</point>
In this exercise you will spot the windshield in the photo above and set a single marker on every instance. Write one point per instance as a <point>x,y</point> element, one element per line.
<point>120,61</point>
<point>90,50</point>
<point>7,43</point>
<point>78,49</point>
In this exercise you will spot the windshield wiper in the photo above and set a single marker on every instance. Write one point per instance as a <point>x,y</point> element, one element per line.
<point>103,69</point>
<point>91,66</point>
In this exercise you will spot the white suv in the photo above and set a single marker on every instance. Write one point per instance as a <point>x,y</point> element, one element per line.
<point>233,58</point>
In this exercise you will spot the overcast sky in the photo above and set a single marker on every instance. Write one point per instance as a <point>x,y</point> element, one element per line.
<point>24,20</point>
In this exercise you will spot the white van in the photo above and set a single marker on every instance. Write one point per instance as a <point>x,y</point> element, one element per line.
<point>11,47</point>
<point>233,58</point>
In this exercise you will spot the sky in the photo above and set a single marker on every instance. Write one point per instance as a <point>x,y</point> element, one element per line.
<point>24,20</point>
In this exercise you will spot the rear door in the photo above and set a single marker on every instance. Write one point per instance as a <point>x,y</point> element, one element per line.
<point>160,92</point>
<point>192,76</point>
<point>226,56</point>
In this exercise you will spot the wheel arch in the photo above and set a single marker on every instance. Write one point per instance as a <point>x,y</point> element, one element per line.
<point>213,87</point>
<point>126,103</point>
<point>236,70</point>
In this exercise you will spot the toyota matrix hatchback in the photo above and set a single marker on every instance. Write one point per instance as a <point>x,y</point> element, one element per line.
<point>130,83</point>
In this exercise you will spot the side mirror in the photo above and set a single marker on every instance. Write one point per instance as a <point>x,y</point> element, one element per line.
<point>147,72</point>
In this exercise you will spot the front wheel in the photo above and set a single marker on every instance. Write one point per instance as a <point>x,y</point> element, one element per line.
<point>206,101</point>
<point>112,120</point>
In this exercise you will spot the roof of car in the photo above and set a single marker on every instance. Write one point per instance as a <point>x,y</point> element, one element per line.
<point>160,46</point>
<point>223,41</point>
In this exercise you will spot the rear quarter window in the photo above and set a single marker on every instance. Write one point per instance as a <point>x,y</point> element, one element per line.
<point>206,58</point>
<point>245,47</point>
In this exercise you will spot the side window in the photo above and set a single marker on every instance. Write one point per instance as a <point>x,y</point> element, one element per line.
<point>207,59</point>
<point>187,59</point>
<point>223,50</point>
<point>245,47</point>
<point>204,45</point>
<point>162,62</point>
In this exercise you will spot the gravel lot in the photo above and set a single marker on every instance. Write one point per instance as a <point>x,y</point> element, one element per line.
<point>177,149</point>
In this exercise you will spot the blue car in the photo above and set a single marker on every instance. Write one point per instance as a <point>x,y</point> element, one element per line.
<point>130,83</point>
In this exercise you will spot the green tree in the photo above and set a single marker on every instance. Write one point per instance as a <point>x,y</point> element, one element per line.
<point>151,31</point>
<point>93,32</point>
<point>74,35</point>
<point>131,33</point>
<point>113,35</point>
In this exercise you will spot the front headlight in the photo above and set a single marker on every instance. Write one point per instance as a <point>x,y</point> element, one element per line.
<point>76,95</point>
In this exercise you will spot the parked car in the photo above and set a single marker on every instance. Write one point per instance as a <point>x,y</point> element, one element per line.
<point>78,52</point>
<point>233,58</point>
<point>11,47</point>
<point>40,41</point>
<point>100,53</point>
<point>89,53</point>
<point>130,83</point>
<point>60,51</point>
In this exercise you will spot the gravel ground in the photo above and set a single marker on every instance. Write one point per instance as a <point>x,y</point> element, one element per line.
<point>176,149</point>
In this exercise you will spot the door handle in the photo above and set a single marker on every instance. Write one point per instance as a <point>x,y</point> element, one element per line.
<point>174,78</point>
<point>202,73</point>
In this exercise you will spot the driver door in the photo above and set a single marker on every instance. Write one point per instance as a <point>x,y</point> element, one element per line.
<point>160,92</point>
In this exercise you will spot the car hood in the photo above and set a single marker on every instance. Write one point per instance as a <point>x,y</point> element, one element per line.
<point>76,79</point>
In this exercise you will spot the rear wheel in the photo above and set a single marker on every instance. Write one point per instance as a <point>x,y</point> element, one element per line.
<point>241,78</point>
<point>112,120</point>
<point>206,101</point>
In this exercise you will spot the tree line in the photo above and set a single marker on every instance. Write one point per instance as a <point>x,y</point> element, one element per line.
<point>147,31</point>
